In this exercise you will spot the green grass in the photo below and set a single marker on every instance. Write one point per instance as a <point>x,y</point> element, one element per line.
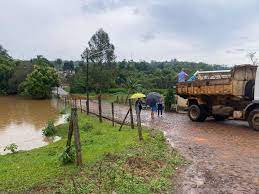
<point>113,161</point>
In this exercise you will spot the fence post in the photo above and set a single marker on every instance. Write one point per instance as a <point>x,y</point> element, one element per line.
<point>70,131</point>
<point>131,115</point>
<point>100,108</point>
<point>139,125</point>
<point>87,104</point>
<point>77,138</point>
<point>81,106</point>
<point>113,114</point>
<point>86,107</point>
<point>123,122</point>
<point>75,102</point>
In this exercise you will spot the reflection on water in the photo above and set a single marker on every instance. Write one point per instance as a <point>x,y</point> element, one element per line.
<point>21,121</point>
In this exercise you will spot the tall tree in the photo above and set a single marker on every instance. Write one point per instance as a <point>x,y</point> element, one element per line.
<point>68,66</point>
<point>100,53</point>
<point>58,64</point>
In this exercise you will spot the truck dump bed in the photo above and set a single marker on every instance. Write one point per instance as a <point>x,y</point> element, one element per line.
<point>205,87</point>
<point>236,82</point>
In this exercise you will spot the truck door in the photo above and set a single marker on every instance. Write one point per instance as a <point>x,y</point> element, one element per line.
<point>256,92</point>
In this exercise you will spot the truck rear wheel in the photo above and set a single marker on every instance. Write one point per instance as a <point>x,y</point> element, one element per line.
<point>197,113</point>
<point>253,119</point>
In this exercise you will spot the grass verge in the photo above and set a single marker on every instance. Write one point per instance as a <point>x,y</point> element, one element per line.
<point>113,161</point>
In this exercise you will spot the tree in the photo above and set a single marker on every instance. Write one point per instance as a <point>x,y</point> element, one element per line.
<point>4,53</point>
<point>132,86</point>
<point>58,64</point>
<point>40,82</point>
<point>68,66</point>
<point>101,55</point>
<point>19,74</point>
<point>41,61</point>
<point>7,66</point>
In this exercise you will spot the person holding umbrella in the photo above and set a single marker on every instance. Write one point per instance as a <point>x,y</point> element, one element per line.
<point>138,104</point>
<point>152,99</point>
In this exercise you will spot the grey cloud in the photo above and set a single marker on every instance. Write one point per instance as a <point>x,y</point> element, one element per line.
<point>147,37</point>
<point>97,6</point>
<point>239,49</point>
<point>207,22</point>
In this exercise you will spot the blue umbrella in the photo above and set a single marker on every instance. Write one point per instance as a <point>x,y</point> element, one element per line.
<point>153,97</point>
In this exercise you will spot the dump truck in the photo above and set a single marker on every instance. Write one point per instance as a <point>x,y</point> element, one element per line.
<point>226,94</point>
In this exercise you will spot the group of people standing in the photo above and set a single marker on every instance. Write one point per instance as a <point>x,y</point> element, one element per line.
<point>155,106</point>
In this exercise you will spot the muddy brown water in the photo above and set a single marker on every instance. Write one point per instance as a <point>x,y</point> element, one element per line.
<point>22,121</point>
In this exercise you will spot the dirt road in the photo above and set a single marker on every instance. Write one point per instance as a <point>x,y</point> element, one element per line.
<point>224,156</point>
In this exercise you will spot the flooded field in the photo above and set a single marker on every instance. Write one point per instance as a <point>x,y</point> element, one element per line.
<point>21,121</point>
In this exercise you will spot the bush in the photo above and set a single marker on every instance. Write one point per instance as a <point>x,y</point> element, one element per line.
<point>169,99</point>
<point>68,156</point>
<point>50,130</point>
<point>39,83</point>
<point>12,147</point>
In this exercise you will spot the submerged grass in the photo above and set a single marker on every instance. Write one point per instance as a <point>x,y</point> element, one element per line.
<point>113,161</point>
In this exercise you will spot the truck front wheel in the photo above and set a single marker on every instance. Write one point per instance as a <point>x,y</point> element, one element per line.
<point>253,119</point>
<point>197,113</point>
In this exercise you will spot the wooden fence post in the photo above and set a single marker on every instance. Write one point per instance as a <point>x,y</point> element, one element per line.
<point>75,102</point>
<point>123,122</point>
<point>139,125</point>
<point>86,107</point>
<point>81,106</point>
<point>131,115</point>
<point>77,138</point>
<point>113,114</point>
<point>100,108</point>
<point>70,131</point>
<point>88,104</point>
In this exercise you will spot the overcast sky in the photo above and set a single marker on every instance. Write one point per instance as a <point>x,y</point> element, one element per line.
<point>213,31</point>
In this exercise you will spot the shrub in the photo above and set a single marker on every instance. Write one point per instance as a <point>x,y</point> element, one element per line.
<point>40,82</point>
<point>12,147</point>
<point>50,130</point>
<point>169,99</point>
<point>68,156</point>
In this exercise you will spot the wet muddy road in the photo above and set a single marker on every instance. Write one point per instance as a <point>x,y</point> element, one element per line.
<point>224,156</point>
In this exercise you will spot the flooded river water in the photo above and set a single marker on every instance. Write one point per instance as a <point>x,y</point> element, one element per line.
<point>22,120</point>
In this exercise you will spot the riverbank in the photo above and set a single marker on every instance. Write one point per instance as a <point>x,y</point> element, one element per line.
<point>113,161</point>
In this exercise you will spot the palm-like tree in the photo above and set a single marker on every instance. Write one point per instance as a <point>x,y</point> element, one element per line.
<point>131,86</point>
